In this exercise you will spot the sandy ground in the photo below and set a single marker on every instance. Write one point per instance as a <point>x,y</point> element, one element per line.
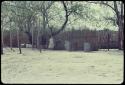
<point>62,67</point>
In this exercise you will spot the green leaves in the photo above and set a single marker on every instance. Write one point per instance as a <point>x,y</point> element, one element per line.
<point>81,13</point>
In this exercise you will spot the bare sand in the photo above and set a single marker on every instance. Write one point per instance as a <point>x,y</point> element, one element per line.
<point>62,67</point>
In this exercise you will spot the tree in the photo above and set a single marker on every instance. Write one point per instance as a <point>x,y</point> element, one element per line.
<point>2,41</point>
<point>118,8</point>
<point>70,8</point>
<point>119,19</point>
<point>32,37</point>
<point>38,36</point>
<point>54,17</point>
<point>18,37</point>
<point>4,22</point>
<point>10,36</point>
<point>107,34</point>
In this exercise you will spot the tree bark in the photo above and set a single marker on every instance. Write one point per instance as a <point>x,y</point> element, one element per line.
<point>28,27</point>
<point>2,42</point>
<point>18,39</point>
<point>122,26</point>
<point>1,49</point>
<point>108,41</point>
<point>38,39</point>
<point>38,36</point>
<point>119,19</point>
<point>119,23</point>
<point>66,20</point>
<point>44,17</point>
<point>29,36</point>
<point>10,37</point>
<point>32,37</point>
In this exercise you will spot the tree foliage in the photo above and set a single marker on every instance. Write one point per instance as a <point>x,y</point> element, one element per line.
<point>52,17</point>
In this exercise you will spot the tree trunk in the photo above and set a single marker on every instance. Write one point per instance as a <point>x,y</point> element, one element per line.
<point>32,37</point>
<point>38,37</point>
<point>18,39</point>
<point>44,18</point>
<point>38,40</point>
<point>27,26</point>
<point>1,49</point>
<point>10,39</point>
<point>29,37</point>
<point>66,20</point>
<point>122,23</point>
<point>108,41</point>
<point>119,40</point>
<point>40,48</point>
<point>119,23</point>
<point>2,42</point>
<point>120,33</point>
<point>20,48</point>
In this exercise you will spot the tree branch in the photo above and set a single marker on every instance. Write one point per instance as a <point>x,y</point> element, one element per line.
<point>66,20</point>
<point>102,2</point>
<point>49,5</point>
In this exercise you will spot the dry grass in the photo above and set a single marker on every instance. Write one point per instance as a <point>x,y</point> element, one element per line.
<point>61,66</point>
